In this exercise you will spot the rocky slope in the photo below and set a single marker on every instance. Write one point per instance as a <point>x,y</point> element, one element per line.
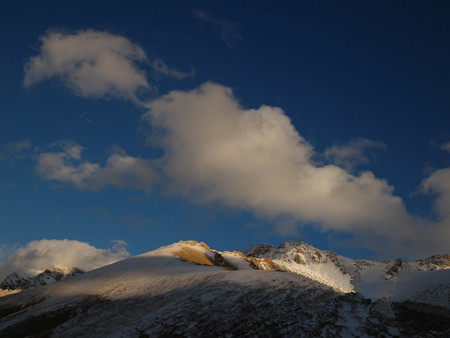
<point>187,289</point>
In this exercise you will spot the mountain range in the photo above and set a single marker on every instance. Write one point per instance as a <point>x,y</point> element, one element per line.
<point>188,289</point>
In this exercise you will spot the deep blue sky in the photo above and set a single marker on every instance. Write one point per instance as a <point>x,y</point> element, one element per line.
<point>340,71</point>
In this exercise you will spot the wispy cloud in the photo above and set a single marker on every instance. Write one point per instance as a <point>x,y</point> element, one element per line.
<point>160,67</point>
<point>353,153</point>
<point>229,31</point>
<point>37,256</point>
<point>14,149</point>
<point>121,170</point>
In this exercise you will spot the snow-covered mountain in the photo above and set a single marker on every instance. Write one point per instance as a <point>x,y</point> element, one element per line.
<point>23,281</point>
<point>187,289</point>
<point>391,279</point>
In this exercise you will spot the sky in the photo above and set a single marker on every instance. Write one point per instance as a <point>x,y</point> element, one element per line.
<point>125,126</point>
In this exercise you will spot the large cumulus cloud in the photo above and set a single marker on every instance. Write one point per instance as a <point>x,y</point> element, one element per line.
<point>254,159</point>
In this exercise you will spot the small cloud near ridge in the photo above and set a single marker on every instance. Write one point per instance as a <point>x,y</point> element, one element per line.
<point>37,256</point>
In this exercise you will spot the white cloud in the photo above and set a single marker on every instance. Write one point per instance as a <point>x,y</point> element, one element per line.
<point>121,170</point>
<point>353,153</point>
<point>37,256</point>
<point>254,159</point>
<point>91,63</point>
<point>96,64</point>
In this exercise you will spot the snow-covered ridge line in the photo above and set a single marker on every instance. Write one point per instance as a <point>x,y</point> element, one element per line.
<point>373,279</point>
<point>342,274</point>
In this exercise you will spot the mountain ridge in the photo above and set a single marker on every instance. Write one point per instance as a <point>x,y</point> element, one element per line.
<point>292,256</point>
<point>188,289</point>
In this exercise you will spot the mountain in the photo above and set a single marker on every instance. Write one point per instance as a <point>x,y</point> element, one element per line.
<point>22,281</point>
<point>392,279</point>
<point>187,289</point>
